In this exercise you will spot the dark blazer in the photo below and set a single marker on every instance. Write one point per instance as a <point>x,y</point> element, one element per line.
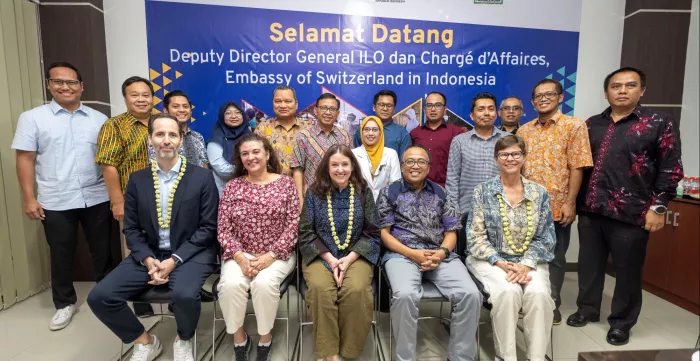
<point>193,218</point>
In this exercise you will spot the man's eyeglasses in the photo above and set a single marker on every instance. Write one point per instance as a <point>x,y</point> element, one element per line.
<point>60,82</point>
<point>434,106</point>
<point>547,95</point>
<point>412,162</point>
<point>384,105</point>
<point>324,109</point>
<point>515,108</point>
<point>515,155</point>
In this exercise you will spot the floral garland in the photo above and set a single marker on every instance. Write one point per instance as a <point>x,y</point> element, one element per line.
<point>159,211</point>
<point>506,228</point>
<point>342,247</point>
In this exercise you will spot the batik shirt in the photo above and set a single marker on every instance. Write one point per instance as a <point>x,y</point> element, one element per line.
<point>636,164</point>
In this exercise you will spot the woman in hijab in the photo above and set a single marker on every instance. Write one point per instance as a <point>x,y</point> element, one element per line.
<point>380,165</point>
<point>229,128</point>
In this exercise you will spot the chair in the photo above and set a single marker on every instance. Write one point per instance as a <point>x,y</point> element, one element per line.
<point>303,313</point>
<point>284,287</point>
<point>162,295</point>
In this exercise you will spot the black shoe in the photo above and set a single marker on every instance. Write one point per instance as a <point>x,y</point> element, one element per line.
<point>557,317</point>
<point>170,308</point>
<point>579,320</point>
<point>618,337</point>
<point>241,352</point>
<point>143,309</point>
<point>264,353</point>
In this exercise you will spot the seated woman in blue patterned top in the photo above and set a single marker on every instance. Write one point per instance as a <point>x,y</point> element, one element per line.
<point>510,240</point>
<point>339,244</point>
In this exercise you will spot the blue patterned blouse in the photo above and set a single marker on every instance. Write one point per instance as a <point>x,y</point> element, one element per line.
<point>418,218</point>
<point>485,239</point>
<point>315,235</point>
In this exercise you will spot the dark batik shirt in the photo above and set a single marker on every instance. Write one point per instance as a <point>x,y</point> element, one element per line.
<point>637,164</point>
<point>418,218</point>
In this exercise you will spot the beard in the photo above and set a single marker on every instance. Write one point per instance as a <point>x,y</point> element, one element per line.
<point>167,154</point>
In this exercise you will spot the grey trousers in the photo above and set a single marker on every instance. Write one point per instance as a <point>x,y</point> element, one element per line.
<point>557,267</point>
<point>453,281</point>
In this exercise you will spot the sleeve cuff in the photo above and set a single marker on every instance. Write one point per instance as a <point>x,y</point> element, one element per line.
<point>178,257</point>
<point>493,259</point>
<point>529,262</point>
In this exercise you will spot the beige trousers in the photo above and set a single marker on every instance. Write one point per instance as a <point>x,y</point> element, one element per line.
<point>507,299</point>
<point>264,289</point>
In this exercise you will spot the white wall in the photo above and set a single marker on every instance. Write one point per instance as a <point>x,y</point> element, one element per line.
<point>600,46</point>
<point>690,119</point>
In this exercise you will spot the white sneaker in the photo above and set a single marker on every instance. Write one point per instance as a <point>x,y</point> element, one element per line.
<point>147,352</point>
<point>182,350</point>
<point>62,318</point>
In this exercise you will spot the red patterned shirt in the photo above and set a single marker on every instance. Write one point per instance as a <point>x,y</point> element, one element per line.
<point>259,218</point>
<point>636,164</point>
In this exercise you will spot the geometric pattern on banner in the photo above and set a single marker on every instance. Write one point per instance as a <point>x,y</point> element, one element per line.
<point>457,120</point>
<point>259,114</point>
<point>412,112</point>
<point>568,84</point>
<point>163,79</point>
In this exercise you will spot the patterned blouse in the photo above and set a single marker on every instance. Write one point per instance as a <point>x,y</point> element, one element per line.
<point>259,218</point>
<point>485,239</point>
<point>315,235</point>
<point>418,218</point>
<point>192,148</point>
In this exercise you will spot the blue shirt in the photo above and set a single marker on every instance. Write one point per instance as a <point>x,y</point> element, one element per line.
<point>395,137</point>
<point>223,170</point>
<point>65,144</point>
<point>166,181</point>
<point>418,218</point>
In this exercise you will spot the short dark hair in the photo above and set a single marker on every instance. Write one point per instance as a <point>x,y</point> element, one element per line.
<point>285,87</point>
<point>444,99</point>
<point>63,64</point>
<point>483,95</point>
<point>155,117</point>
<point>136,79</point>
<point>642,76</point>
<point>382,93</point>
<point>557,86</point>
<point>507,142</point>
<point>322,183</point>
<point>327,96</point>
<point>273,163</point>
<point>174,93</point>
<point>430,159</point>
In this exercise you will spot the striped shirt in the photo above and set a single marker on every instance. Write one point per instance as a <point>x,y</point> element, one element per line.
<point>311,145</point>
<point>470,163</point>
<point>122,143</point>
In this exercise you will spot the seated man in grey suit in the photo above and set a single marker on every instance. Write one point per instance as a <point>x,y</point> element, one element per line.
<point>170,214</point>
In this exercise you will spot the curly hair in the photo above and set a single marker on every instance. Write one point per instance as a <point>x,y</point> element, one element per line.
<point>273,163</point>
<point>323,182</point>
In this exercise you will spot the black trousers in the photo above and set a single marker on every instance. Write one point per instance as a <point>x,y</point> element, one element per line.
<point>61,229</point>
<point>557,267</point>
<point>627,243</point>
<point>108,299</point>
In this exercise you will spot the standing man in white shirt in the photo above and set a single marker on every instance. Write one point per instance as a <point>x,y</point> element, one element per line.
<point>55,145</point>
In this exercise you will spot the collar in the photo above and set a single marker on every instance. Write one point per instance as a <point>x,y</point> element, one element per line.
<point>276,123</point>
<point>428,186</point>
<point>175,169</point>
<point>55,108</point>
<point>529,188</point>
<point>318,130</point>
<point>442,124</point>
<point>503,128</point>
<point>638,111</point>
<point>131,118</point>
<point>554,119</point>
<point>495,131</point>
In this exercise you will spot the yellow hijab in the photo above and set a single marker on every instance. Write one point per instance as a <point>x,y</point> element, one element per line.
<point>374,151</point>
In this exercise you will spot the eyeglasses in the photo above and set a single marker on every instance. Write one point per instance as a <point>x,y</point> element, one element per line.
<point>434,106</point>
<point>547,95</point>
<point>515,155</point>
<point>324,109</point>
<point>370,130</point>
<point>232,114</point>
<point>513,108</point>
<point>60,82</point>
<point>411,162</point>
<point>384,105</point>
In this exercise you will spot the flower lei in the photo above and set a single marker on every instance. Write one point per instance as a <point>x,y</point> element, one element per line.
<point>342,247</point>
<point>161,222</point>
<point>506,228</point>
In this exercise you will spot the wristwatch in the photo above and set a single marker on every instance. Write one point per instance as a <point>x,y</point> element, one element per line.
<point>658,209</point>
<point>447,251</point>
<point>177,260</point>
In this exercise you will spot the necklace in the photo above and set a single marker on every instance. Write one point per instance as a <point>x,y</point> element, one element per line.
<point>506,224</point>
<point>165,223</point>
<point>342,247</point>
